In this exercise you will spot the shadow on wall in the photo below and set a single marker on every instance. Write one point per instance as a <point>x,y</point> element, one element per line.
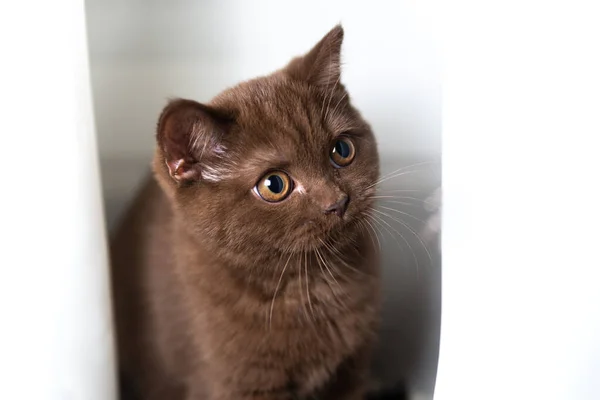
<point>410,331</point>
<point>141,56</point>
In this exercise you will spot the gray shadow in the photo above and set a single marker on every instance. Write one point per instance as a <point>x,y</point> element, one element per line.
<point>410,331</point>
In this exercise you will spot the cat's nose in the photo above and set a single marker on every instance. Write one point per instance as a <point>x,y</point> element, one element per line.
<point>339,207</point>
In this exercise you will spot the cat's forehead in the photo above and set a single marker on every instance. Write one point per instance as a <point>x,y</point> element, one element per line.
<point>282,123</point>
<point>276,109</point>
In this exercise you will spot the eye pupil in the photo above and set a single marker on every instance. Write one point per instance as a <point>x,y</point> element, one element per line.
<point>275,184</point>
<point>342,149</point>
<point>342,152</point>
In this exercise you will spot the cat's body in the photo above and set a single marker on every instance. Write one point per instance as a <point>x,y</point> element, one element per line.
<point>161,330</point>
<point>228,288</point>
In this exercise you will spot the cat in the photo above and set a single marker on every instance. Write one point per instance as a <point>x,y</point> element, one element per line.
<point>245,269</point>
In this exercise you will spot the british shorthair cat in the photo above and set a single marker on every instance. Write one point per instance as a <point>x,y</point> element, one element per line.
<point>245,269</point>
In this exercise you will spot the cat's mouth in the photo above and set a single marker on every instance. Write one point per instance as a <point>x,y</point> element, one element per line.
<point>326,224</point>
<point>313,232</point>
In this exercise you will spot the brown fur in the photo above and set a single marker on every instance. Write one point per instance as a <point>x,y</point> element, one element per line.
<point>220,295</point>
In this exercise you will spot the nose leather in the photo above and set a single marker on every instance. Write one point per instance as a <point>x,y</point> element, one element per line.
<point>339,207</point>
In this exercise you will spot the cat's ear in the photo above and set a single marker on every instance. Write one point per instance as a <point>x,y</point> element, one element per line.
<point>321,65</point>
<point>188,133</point>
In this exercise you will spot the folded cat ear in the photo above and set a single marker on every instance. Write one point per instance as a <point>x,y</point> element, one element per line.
<point>188,133</point>
<point>321,65</point>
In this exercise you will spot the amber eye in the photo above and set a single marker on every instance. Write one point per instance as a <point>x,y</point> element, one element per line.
<point>274,186</point>
<point>342,152</point>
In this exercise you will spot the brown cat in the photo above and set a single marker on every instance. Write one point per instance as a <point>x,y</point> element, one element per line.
<point>248,271</point>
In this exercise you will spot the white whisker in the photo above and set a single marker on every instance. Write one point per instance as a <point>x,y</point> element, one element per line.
<point>403,213</point>
<point>338,104</point>
<point>277,289</point>
<point>399,174</point>
<point>375,232</point>
<point>327,268</point>
<point>333,88</point>
<point>403,238</point>
<point>300,286</point>
<point>322,259</point>
<point>308,285</point>
<point>366,229</point>
<point>336,253</point>
<point>408,166</point>
<point>401,198</point>
<point>411,230</point>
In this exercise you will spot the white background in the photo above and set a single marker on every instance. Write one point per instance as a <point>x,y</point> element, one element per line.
<point>521,100</point>
<point>521,273</point>
<point>56,328</point>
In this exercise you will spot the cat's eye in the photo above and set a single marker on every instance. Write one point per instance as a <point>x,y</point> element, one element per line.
<point>342,152</point>
<point>274,186</point>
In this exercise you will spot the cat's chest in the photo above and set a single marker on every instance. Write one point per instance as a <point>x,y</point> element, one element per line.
<point>332,313</point>
<point>300,312</point>
<point>316,300</point>
<point>332,301</point>
<point>321,332</point>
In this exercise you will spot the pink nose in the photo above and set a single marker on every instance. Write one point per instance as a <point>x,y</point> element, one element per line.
<point>339,207</point>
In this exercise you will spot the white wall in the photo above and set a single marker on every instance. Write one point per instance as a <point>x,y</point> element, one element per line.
<point>144,52</point>
<point>521,277</point>
<point>56,336</point>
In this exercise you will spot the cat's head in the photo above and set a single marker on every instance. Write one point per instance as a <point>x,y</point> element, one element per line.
<point>282,162</point>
